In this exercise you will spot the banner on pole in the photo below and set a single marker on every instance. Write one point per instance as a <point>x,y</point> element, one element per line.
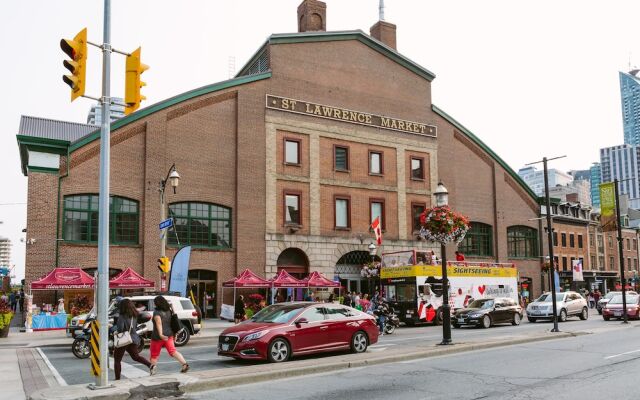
<point>608,207</point>
<point>180,271</point>
<point>577,270</point>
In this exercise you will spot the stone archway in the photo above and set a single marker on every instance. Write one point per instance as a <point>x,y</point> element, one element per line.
<point>348,269</point>
<point>294,261</point>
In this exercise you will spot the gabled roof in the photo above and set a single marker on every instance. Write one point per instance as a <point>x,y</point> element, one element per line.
<point>306,37</point>
<point>53,129</point>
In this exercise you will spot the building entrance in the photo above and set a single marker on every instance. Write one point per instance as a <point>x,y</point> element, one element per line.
<point>203,283</point>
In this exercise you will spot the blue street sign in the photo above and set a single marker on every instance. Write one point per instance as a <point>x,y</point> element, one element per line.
<point>167,223</point>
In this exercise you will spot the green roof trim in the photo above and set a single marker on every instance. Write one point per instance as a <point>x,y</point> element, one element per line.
<point>44,170</point>
<point>170,102</point>
<point>44,145</point>
<point>486,148</point>
<point>310,37</point>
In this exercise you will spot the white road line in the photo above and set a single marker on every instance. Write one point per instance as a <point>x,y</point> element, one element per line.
<point>622,354</point>
<point>53,370</point>
<point>385,345</point>
<point>129,370</point>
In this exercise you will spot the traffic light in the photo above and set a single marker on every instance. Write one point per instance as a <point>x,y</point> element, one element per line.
<point>76,49</point>
<point>164,264</point>
<point>133,83</point>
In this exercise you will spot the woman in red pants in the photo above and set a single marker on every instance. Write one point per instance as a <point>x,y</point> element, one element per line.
<point>162,335</point>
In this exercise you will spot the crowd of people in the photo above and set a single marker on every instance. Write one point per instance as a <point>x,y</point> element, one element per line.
<point>15,299</point>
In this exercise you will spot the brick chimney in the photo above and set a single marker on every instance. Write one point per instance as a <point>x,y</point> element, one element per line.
<point>385,32</point>
<point>312,16</point>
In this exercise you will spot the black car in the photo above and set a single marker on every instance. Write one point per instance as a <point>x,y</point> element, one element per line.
<point>487,312</point>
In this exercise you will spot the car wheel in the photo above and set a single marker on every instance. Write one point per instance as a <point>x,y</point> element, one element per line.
<point>563,315</point>
<point>359,342</point>
<point>278,351</point>
<point>606,318</point>
<point>516,319</point>
<point>584,314</point>
<point>182,337</point>
<point>486,322</point>
<point>531,319</point>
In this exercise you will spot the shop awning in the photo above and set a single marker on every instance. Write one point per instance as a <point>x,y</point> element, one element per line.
<point>284,280</point>
<point>247,279</point>
<point>317,280</point>
<point>64,278</point>
<point>130,279</point>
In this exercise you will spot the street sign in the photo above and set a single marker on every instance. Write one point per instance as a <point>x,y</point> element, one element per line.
<point>167,223</point>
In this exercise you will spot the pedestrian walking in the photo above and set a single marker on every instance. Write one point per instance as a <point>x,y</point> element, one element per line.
<point>127,322</point>
<point>239,313</point>
<point>591,299</point>
<point>381,311</point>
<point>596,296</point>
<point>356,302</point>
<point>347,299</point>
<point>162,335</point>
<point>13,300</point>
<point>21,300</point>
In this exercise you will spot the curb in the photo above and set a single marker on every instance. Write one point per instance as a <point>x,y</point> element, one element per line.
<point>178,384</point>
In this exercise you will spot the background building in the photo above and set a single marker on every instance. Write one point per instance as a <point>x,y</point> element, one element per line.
<point>5,252</point>
<point>630,99</point>
<point>95,114</point>
<point>535,178</point>
<point>621,162</point>
<point>595,180</point>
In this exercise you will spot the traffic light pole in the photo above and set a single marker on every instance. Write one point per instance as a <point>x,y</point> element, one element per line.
<point>103,210</point>
<point>620,249</point>
<point>163,237</point>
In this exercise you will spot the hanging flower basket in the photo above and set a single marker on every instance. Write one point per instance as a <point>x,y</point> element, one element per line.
<point>370,270</point>
<point>440,224</point>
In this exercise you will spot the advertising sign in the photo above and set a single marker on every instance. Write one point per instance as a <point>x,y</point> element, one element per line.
<point>180,271</point>
<point>608,207</point>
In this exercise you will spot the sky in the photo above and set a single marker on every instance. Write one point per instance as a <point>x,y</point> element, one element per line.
<point>529,78</point>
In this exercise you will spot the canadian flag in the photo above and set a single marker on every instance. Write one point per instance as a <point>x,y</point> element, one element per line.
<point>375,225</point>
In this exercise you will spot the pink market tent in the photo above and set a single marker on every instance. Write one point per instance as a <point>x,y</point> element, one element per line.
<point>247,279</point>
<point>316,279</point>
<point>130,279</point>
<point>64,278</point>
<point>284,280</point>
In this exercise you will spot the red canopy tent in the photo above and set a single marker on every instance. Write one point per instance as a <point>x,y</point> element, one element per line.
<point>316,279</point>
<point>247,279</point>
<point>64,278</point>
<point>130,279</point>
<point>284,280</point>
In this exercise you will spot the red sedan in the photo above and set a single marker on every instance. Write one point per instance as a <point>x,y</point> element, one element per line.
<point>614,309</point>
<point>282,330</point>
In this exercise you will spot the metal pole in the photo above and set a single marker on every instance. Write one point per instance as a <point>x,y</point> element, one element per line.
<point>625,318</point>
<point>103,210</point>
<point>552,265</point>
<point>446,309</point>
<point>163,237</point>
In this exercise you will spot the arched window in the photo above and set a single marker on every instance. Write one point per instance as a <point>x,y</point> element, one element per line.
<point>80,221</point>
<point>478,241</point>
<point>201,225</point>
<point>522,242</point>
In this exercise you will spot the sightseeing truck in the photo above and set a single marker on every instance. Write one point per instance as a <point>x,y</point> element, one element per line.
<point>413,284</point>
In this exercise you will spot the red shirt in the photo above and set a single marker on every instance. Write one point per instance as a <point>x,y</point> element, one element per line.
<point>459,257</point>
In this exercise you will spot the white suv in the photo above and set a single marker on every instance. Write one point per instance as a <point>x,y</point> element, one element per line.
<point>567,303</point>
<point>182,306</point>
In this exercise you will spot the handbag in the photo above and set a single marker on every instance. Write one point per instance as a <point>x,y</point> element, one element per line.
<point>123,339</point>
<point>176,325</point>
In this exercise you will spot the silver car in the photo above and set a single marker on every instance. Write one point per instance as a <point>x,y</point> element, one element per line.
<point>568,304</point>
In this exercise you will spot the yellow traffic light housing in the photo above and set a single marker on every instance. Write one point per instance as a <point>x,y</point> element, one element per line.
<point>133,83</point>
<point>76,49</point>
<point>164,264</point>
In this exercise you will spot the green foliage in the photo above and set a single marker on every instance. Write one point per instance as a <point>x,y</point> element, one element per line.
<point>5,314</point>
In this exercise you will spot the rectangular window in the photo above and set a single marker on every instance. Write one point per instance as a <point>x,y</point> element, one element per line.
<point>579,241</point>
<point>416,210</point>
<point>292,209</point>
<point>564,263</point>
<point>417,168</point>
<point>292,151</point>
<point>376,209</point>
<point>635,245</point>
<point>629,263</point>
<point>375,163</point>
<point>612,264</point>
<point>572,242</point>
<point>628,244</point>
<point>593,262</point>
<point>341,158</point>
<point>555,238</point>
<point>564,240</point>
<point>635,264</point>
<point>610,242</point>
<point>342,213</point>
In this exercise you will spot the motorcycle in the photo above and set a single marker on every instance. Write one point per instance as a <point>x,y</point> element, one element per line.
<point>81,346</point>
<point>391,322</point>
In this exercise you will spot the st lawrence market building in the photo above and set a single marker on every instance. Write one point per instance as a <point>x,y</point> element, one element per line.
<point>282,167</point>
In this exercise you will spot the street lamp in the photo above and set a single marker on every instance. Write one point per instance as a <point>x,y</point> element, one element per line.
<point>173,178</point>
<point>372,253</point>
<point>442,199</point>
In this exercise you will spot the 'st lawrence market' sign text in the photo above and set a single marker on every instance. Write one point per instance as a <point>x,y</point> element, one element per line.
<point>342,114</point>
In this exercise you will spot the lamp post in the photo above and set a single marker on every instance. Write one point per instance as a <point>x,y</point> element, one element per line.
<point>372,253</point>
<point>442,199</point>
<point>173,178</point>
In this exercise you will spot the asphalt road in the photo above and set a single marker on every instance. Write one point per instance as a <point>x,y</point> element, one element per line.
<point>201,354</point>
<point>601,365</point>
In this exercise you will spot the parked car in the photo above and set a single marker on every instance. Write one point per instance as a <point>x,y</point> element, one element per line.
<point>281,331</point>
<point>568,304</point>
<point>607,297</point>
<point>487,312</point>
<point>613,308</point>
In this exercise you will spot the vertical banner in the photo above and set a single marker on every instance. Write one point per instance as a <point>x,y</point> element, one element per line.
<point>577,270</point>
<point>179,273</point>
<point>556,280</point>
<point>607,207</point>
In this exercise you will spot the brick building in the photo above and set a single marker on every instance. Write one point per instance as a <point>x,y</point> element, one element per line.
<point>282,167</point>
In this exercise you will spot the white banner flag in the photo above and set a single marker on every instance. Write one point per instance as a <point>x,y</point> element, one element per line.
<point>577,270</point>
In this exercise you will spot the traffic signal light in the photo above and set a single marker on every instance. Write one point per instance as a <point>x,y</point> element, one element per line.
<point>132,84</point>
<point>76,49</point>
<point>164,264</point>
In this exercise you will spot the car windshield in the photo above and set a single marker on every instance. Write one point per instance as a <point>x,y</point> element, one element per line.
<point>278,313</point>
<point>481,304</point>
<point>611,295</point>
<point>618,299</point>
<point>547,297</point>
